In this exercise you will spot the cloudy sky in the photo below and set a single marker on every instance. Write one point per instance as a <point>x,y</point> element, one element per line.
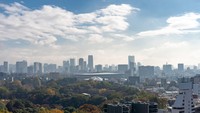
<point>154,31</point>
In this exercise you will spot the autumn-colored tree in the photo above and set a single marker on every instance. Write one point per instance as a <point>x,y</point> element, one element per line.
<point>56,111</point>
<point>88,108</point>
<point>51,91</point>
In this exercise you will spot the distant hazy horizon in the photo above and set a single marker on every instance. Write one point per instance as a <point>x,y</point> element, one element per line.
<point>155,32</point>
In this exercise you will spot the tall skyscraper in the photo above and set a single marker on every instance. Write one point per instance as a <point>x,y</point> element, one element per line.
<point>21,66</point>
<point>72,62</point>
<point>12,68</point>
<point>81,63</point>
<point>131,64</point>
<point>30,70</point>
<point>37,68</point>
<point>180,67</point>
<point>66,66</point>
<point>167,69</point>
<point>5,67</point>
<point>72,67</point>
<point>90,63</point>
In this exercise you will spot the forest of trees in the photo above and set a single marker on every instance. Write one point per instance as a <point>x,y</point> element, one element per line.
<point>32,95</point>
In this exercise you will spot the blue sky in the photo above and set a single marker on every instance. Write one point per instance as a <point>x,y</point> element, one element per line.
<point>155,31</point>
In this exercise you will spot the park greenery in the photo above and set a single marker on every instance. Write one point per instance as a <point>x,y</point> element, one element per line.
<point>68,95</point>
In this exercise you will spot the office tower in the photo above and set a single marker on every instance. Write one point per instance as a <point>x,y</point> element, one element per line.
<point>21,66</point>
<point>131,65</point>
<point>90,63</point>
<point>5,67</point>
<point>1,68</point>
<point>122,68</point>
<point>180,67</point>
<point>85,66</point>
<point>12,68</point>
<point>98,68</point>
<point>45,66</point>
<point>167,69</point>
<point>131,62</point>
<point>37,68</point>
<point>66,66</point>
<point>30,70</point>
<point>72,62</point>
<point>52,68</point>
<point>146,71</point>
<point>81,63</point>
<point>184,101</point>
<point>72,67</point>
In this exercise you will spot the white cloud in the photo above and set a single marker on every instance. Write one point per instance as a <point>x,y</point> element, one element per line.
<point>187,23</point>
<point>96,38</point>
<point>43,26</point>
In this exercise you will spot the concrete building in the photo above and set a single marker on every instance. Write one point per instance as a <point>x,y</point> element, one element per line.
<point>72,64</point>
<point>196,90</point>
<point>37,68</point>
<point>90,63</point>
<point>48,68</point>
<point>81,64</point>
<point>118,108</point>
<point>5,67</point>
<point>146,71</point>
<point>167,69</point>
<point>98,68</point>
<point>12,68</point>
<point>30,70</point>
<point>180,67</point>
<point>184,101</point>
<point>21,66</point>
<point>131,65</point>
<point>66,66</point>
<point>133,80</point>
<point>122,68</point>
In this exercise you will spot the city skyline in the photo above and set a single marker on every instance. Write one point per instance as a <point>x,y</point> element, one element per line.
<point>155,32</point>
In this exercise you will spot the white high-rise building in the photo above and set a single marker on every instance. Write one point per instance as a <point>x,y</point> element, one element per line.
<point>90,62</point>
<point>131,64</point>
<point>184,101</point>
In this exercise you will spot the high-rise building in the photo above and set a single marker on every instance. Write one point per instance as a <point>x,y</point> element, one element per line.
<point>12,68</point>
<point>21,66</point>
<point>146,71</point>
<point>180,67</point>
<point>122,68</point>
<point>52,68</point>
<point>5,67</point>
<point>131,65</point>
<point>30,70</point>
<point>37,68</point>
<point>72,67</point>
<point>81,63</point>
<point>72,62</point>
<point>90,63</point>
<point>98,68</point>
<point>66,66</point>
<point>184,101</point>
<point>167,69</point>
<point>131,62</point>
<point>45,66</point>
<point>48,68</point>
